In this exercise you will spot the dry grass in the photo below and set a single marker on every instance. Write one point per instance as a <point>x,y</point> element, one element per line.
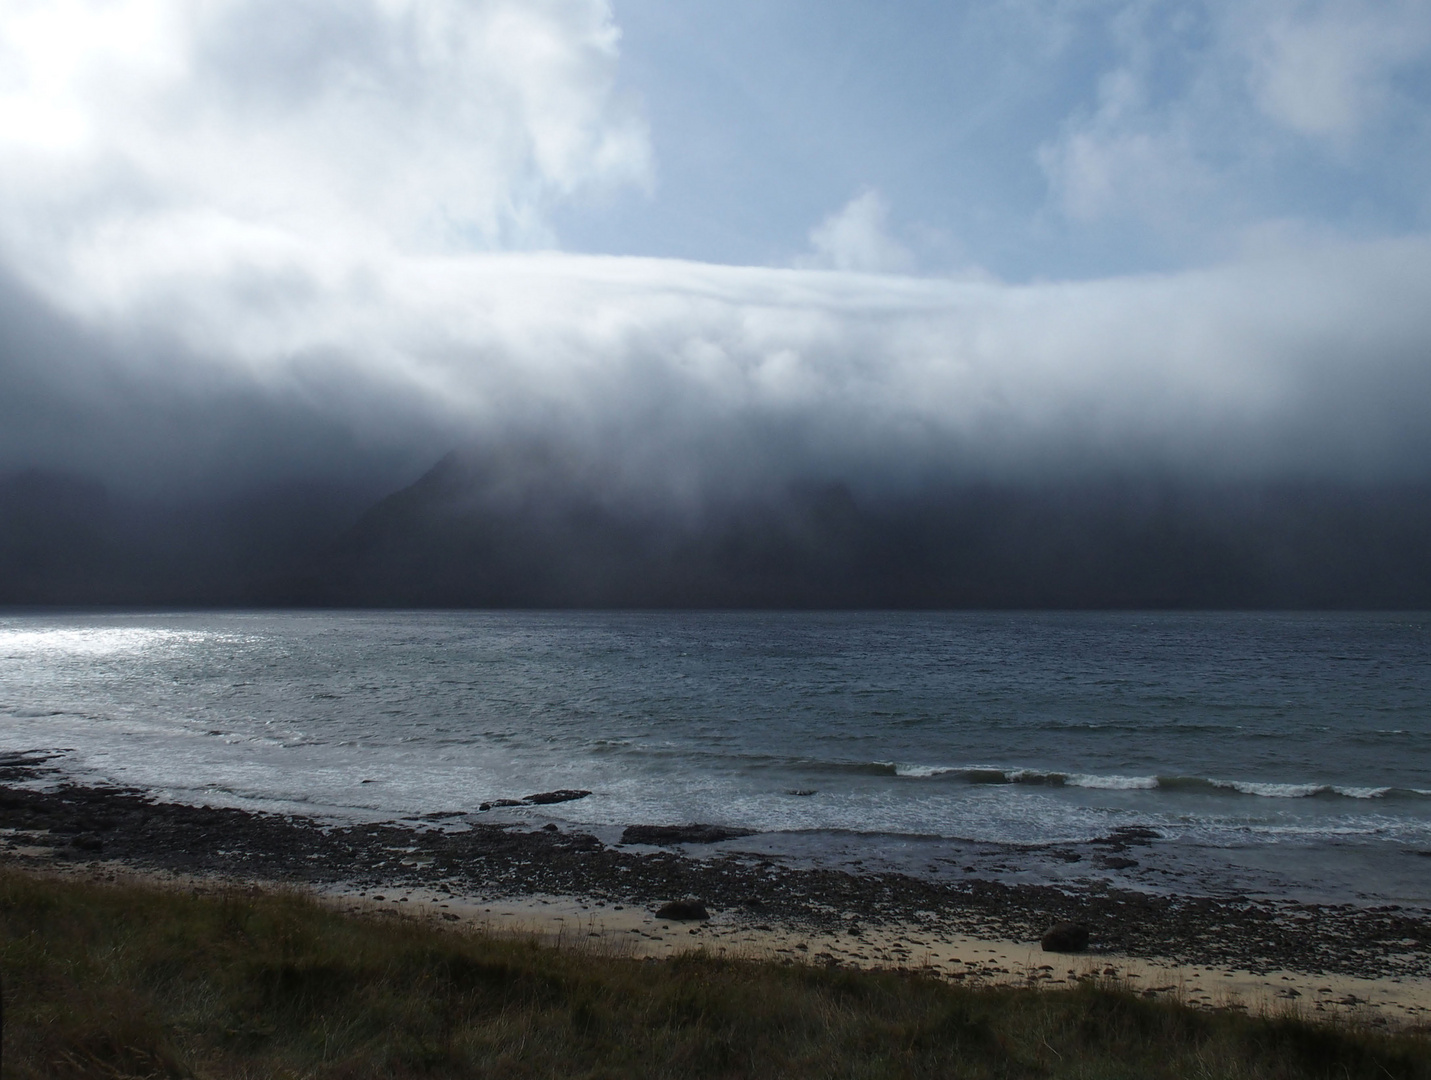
<point>128,981</point>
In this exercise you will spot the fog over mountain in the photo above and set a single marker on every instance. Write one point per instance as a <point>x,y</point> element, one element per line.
<point>284,319</point>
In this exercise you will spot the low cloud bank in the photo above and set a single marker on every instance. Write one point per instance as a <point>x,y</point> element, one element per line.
<point>681,381</point>
<point>636,432</point>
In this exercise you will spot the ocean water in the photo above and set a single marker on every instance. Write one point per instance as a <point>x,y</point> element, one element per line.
<point>1277,754</point>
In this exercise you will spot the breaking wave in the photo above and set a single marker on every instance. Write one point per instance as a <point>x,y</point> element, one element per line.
<point>987,774</point>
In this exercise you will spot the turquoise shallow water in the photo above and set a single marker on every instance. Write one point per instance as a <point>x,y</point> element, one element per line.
<point>1277,753</point>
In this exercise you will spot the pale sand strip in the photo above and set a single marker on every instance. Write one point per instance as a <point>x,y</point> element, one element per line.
<point>632,931</point>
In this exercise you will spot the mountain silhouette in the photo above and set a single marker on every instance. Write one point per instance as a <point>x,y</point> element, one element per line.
<point>523,527</point>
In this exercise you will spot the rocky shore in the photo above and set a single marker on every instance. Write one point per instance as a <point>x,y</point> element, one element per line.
<point>478,860</point>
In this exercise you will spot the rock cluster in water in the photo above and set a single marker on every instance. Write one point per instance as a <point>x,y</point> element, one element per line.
<point>544,798</point>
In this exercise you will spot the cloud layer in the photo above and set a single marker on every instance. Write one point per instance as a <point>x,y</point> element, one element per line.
<point>254,240</point>
<point>683,375</point>
<point>131,127</point>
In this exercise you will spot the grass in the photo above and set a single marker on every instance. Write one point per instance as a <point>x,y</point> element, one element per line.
<point>119,980</point>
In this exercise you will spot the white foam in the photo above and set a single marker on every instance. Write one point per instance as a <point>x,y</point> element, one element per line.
<point>1113,783</point>
<point>923,772</point>
<point>1272,791</point>
<point>1362,792</point>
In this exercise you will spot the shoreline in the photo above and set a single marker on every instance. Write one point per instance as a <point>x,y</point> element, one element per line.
<point>1373,963</point>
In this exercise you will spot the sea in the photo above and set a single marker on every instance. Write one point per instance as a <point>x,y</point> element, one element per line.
<point>1283,755</point>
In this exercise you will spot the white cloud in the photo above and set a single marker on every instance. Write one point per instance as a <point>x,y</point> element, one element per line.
<point>1199,99</point>
<point>856,237</point>
<point>1137,150</point>
<point>1324,69</point>
<point>666,375</point>
<point>1119,161</point>
<point>420,124</point>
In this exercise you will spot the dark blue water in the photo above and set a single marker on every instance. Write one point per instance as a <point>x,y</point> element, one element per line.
<point>1272,752</point>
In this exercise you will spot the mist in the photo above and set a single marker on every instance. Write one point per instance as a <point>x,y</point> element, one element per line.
<point>682,381</point>
<point>636,433</point>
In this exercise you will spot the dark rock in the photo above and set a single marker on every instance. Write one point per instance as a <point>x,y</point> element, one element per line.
<point>663,835</point>
<point>1137,833</point>
<point>88,843</point>
<point>1119,863</point>
<point>683,911</point>
<point>1065,937</point>
<point>546,798</point>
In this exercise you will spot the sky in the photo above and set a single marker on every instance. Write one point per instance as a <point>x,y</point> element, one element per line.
<point>705,245</point>
<point>1031,140</point>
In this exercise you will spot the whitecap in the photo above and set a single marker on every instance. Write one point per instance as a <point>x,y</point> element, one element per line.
<point>1037,776</point>
<point>1113,783</point>
<point>923,772</point>
<point>1272,791</point>
<point>1362,792</point>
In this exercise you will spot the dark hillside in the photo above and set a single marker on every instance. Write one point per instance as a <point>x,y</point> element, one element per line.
<point>469,534</point>
<point>526,529</point>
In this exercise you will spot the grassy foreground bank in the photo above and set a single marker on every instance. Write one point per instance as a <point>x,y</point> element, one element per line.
<point>109,980</point>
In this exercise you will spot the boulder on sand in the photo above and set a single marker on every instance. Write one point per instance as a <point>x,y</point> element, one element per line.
<point>1065,937</point>
<point>683,911</point>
